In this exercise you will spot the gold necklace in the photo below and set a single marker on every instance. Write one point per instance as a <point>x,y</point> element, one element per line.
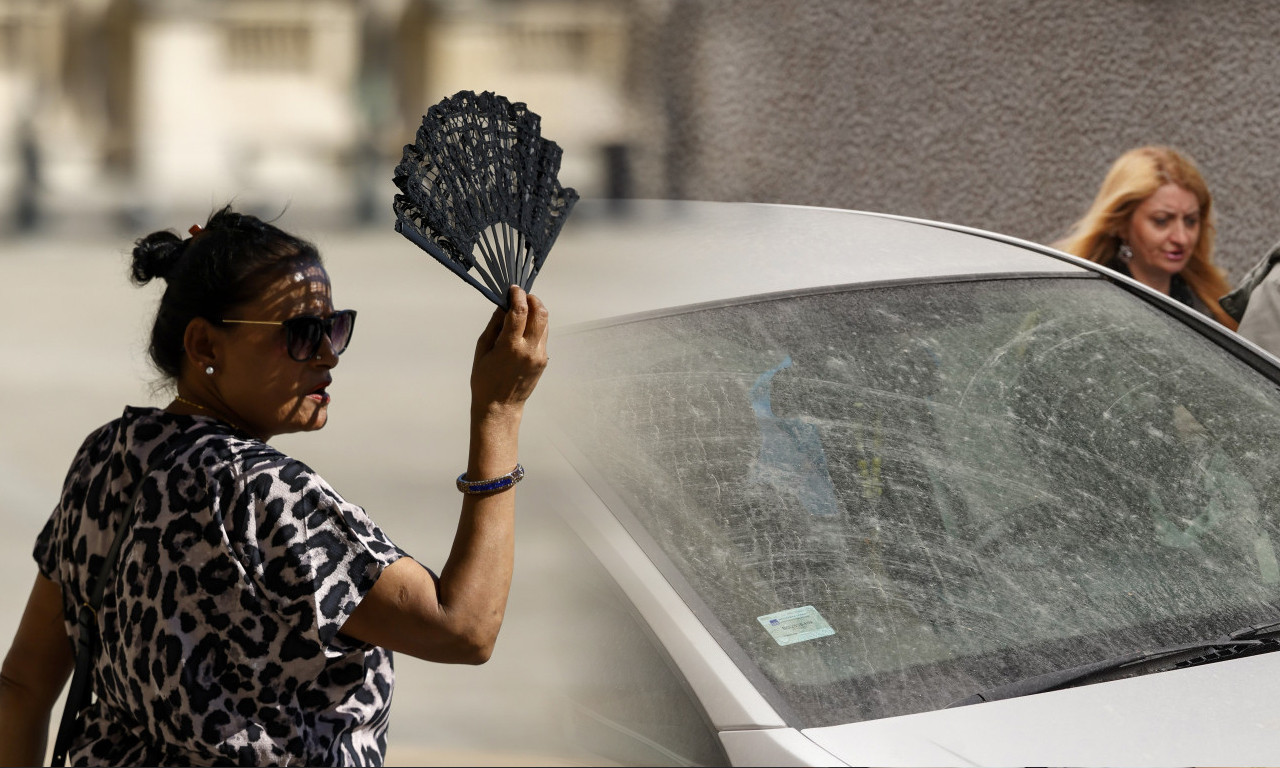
<point>210,411</point>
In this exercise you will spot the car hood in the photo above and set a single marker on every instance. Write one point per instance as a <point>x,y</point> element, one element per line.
<point>1218,714</point>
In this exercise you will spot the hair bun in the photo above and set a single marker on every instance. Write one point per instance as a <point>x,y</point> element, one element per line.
<point>155,256</point>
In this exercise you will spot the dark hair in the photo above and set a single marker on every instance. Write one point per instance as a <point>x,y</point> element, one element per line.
<point>221,267</point>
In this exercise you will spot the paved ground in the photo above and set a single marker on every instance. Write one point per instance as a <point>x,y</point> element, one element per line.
<point>73,352</point>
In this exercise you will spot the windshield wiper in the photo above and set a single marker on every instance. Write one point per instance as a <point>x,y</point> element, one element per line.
<point>1254,631</point>
<point>1248,641</point>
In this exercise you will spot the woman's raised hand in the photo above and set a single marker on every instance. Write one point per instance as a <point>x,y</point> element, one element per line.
<point>510,356</point>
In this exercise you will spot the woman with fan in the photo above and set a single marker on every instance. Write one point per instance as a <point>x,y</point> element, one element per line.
<point>1152,219</point>
<point>247,612</point>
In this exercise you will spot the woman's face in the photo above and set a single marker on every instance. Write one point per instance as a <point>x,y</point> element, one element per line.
<point>1163,231</point>
<point>264,389</point>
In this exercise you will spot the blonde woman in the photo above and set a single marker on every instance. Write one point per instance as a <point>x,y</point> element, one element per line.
<point>1152,219</point>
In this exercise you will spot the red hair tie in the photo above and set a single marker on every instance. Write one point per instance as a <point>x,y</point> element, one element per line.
<point>195,230</point>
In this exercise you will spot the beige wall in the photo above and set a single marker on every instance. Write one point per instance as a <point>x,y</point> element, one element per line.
<point>251,102</point>
<point>1001,114</point>
<point>566,59</point>
<point>147,110</point>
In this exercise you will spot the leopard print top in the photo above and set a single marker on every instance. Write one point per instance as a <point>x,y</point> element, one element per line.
<point>220,639</point>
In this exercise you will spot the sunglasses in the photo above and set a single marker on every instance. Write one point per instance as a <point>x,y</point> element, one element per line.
<point>305,332</point>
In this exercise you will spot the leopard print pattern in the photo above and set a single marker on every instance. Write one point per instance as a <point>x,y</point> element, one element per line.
<point>220,631</point>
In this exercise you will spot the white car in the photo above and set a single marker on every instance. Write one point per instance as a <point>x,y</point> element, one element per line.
<point>850,489</point>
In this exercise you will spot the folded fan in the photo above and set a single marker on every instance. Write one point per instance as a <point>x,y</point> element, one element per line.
<point>479,191</point>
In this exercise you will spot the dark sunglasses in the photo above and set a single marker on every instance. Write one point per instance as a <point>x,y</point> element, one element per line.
<point>305,332</point>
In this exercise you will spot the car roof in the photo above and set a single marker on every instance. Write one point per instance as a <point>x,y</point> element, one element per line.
<point>639,256</point>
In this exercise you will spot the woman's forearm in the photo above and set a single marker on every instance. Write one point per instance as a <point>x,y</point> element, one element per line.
<point>24,728</point>
<point>454,618</point>
<point>35,670</point>
<point>476,579</point>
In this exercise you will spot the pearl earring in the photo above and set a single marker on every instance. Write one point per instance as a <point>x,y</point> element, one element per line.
<point>208,370</point>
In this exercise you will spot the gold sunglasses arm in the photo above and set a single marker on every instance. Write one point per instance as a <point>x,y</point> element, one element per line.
<point>256,322</point>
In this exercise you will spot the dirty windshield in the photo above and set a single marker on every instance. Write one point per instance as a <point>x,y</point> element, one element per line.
<point>894,497</point>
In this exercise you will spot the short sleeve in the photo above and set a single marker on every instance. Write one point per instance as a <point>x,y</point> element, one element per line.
<point>46,549</point>
<point>313,555</point>
<point>60,543</point>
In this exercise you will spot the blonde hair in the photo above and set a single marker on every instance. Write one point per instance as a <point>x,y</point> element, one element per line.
<point>1133,177</point>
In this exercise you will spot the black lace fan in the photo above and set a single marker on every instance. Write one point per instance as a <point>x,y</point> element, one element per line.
<point>478,191</point>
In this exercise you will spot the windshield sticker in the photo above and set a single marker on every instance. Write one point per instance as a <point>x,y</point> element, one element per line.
<point>796,625</point>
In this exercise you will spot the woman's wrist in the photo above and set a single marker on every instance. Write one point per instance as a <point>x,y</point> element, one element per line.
<point>495,437</point>
<point>496,419</point>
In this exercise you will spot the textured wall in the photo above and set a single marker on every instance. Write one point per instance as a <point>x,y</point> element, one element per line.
<point>1001,114</point>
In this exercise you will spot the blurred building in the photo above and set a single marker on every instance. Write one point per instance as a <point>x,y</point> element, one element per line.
<point>141,110</point>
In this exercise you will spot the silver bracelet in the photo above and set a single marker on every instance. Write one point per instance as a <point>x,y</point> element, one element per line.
<point>500,483</point>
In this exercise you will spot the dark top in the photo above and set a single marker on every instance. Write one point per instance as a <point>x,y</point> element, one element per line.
<point>1178,288</point>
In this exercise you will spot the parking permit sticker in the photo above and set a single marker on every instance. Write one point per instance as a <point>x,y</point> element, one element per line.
<point>796,625</point>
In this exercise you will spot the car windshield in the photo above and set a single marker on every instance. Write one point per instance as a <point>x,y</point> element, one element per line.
<point>893,497</point>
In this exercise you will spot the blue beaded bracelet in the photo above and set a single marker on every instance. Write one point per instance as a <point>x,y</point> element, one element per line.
<point>501,483</point>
